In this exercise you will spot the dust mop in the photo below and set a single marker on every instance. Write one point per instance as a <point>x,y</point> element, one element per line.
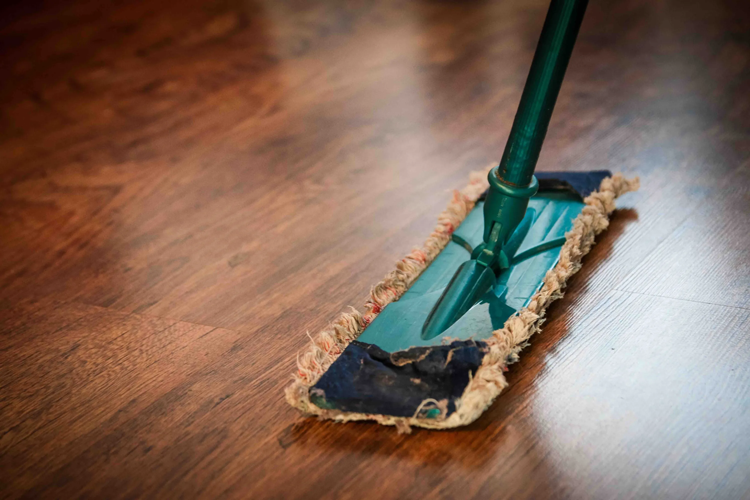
<point>438,333</point>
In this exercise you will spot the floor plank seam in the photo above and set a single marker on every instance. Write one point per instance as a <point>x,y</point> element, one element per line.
<point>147,315</point>
<point>681,299</point>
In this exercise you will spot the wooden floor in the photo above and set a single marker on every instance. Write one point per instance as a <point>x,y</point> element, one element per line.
<point>190,186</point>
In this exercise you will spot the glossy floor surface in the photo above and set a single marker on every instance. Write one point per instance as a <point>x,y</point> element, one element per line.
<point>190,186</point>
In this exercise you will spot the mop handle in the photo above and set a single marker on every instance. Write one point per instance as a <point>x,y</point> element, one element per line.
<point>540,92</point>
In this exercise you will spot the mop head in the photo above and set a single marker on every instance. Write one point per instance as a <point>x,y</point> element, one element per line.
<point>474,367</point>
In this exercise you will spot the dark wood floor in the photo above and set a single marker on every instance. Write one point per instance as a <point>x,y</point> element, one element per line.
<point>190,186</point>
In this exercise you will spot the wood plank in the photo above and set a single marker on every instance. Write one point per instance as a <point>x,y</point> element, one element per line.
<point>189,187</point>
<point>706,259</point>
<point>119,364</point>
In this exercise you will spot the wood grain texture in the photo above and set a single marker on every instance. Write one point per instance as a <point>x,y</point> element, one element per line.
<point>188,187</point>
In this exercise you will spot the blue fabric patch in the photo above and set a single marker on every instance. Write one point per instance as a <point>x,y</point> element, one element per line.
<point>581,183</point>
<point>367,379</point>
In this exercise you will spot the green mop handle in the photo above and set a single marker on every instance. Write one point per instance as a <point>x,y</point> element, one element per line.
<point>512,183</point>
<point>540,93</point>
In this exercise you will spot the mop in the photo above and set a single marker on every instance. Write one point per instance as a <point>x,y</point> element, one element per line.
<point>438,332</point>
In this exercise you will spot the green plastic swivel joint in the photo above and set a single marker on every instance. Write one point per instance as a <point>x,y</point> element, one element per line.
<point>504,209</point>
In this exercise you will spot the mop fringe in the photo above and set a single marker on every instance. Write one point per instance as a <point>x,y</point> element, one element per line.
<point>505,343</point>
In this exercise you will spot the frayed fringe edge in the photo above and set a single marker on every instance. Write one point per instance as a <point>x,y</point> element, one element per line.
<point>505,343</point>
